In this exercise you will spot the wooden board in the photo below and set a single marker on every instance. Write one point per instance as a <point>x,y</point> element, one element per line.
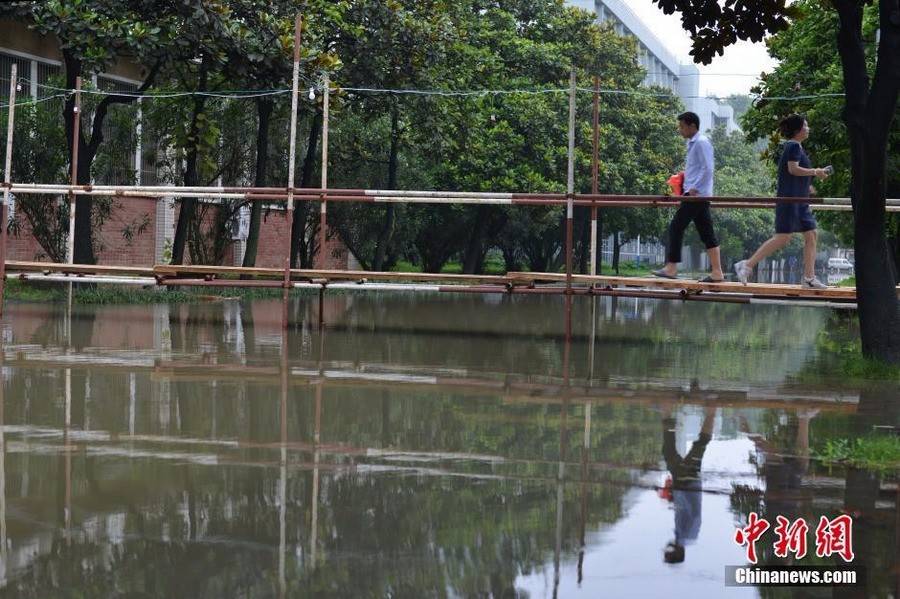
<point>77,269</point>
<point>754,289</point>
<point>342,275</point>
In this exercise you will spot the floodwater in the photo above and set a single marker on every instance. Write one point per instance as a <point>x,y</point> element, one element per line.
<point>425,446</point>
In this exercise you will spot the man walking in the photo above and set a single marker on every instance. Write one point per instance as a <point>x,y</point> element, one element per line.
<point>698,181</point>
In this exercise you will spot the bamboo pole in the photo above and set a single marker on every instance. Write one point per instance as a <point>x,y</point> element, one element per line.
<point>76,137</point>
<point>595,172</point>
<point>420,196</point>
<point>76,134</point>
<point>289,213</point>
<point>323,222</point>
<point>3,530</point>
<point>4,208</point>
<point>570,183</point>
<point>282,486</point>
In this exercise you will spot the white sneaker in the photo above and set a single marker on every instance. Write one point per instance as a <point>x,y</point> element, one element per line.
<point>814,283</point>
<point>742,271</point>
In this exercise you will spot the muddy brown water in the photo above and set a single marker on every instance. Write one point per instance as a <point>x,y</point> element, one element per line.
<point>426,446</point>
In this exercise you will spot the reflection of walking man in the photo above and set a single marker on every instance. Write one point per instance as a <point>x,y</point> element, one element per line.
<point>687,487</point>
<point>698,181</point>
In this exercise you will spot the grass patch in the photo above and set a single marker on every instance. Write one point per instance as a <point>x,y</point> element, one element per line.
<point>839,356</point>
<point>874,452</point>
<point>848,282</point>
<point>491,267</point>
<point>629,269</point>
<point>845,356</point>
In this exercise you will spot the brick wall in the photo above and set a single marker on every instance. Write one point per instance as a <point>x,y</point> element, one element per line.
<point>145,248</point>
<point>116,249</point>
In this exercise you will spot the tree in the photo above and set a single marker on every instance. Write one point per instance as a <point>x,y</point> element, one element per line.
<point>211,32</point>
<point>39,154</point>
<point>261,60</point>
<point>260,57</point>
<point>93,34</point>
<point>389,45</point>
<point>869,108</point>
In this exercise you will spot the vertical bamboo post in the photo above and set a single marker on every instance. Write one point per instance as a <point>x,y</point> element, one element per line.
<point>282,486</point>
<point>595,172</point>
<point>76,135</point>
<point>570,183</point>
<point>289,208</point>
<point>3,531</point>
<point>7,179</point>
<point>67,507</point>
<point>324,206</point>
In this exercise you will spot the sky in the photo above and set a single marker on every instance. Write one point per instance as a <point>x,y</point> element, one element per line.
<point>733,73</point>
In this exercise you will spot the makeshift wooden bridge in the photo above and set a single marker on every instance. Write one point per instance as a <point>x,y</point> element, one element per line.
<point>522,283</point>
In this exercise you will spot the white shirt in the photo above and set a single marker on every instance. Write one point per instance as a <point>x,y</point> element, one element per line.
<point>699,165</point>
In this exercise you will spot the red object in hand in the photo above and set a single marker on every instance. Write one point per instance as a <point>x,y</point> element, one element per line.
<point>676,184</point>
<point>665,492</point>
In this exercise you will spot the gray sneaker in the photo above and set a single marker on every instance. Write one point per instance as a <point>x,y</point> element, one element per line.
<point>813,283</point>
<point>742,271</point>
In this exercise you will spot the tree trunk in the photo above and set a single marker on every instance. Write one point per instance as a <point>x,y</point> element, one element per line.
<point>298,243</point>
<point>386,235</point>
<point>473,257</point>
<point>868,114</point>
<point>87,150</point>
<point>616,248</point>
<point>264,113</point>
<point>189,205</point>
<point>584,236</point>
<point>510,257</point>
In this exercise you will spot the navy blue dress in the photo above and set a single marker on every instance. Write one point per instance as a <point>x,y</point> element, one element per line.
<point>793,218</point>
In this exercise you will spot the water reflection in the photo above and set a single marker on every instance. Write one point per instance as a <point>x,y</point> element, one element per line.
<point>684,487</point>
<point>438,447</point>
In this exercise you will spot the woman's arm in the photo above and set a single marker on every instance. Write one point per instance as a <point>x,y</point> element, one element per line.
<point>795,169</point>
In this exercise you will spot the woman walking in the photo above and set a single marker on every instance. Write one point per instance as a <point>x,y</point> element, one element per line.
<point>794,181</point>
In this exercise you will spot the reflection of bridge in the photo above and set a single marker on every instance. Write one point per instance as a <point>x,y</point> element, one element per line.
<point>319,375</point>
<point>512,387</point>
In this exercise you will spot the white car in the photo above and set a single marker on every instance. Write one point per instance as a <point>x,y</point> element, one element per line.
<point>839,264</point>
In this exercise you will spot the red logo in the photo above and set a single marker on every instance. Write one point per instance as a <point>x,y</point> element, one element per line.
<point>791,537</point>
<point>835,536</point>
<point>751,533</point>
<point>832,536</point>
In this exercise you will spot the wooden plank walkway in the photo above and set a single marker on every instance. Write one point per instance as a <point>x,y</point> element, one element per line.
<point>329,275</point>
<point>691,286</point>
<point>16,266</point>
<point>512,280</point>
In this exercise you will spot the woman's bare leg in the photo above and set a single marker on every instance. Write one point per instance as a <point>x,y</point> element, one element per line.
<point>809,253</point>
<point>775,243</point>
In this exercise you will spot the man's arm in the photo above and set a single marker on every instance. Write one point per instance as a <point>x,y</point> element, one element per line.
<point>706,160</point>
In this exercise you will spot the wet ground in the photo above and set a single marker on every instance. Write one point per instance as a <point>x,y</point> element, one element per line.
<point>425,446</point>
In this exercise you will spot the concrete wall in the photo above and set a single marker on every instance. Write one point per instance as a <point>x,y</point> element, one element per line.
<point>16,37</point>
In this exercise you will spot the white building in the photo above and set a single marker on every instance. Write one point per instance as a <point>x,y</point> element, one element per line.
<point>662,66</point>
